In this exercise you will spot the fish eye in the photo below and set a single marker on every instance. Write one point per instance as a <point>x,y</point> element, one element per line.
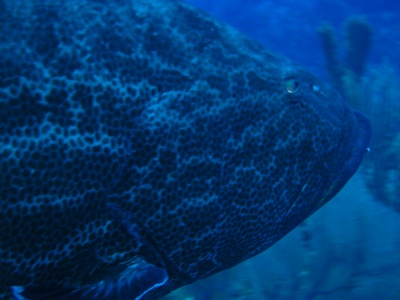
<point>292,85</point>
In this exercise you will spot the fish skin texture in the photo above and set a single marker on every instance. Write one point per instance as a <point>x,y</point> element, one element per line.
<point>143,143</point>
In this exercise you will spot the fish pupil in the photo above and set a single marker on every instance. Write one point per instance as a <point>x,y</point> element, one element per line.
<point>292,85</point>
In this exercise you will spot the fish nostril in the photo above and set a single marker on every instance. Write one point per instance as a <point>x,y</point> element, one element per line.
<point>316,88</point>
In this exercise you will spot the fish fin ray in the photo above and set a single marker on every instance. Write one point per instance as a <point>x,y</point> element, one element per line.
<point>134,282</point>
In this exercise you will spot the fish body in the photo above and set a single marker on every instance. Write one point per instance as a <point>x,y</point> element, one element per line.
<point>145,145</point>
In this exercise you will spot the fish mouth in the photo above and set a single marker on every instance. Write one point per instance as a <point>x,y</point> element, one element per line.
<point>360,138</point>
<point>358,142</point>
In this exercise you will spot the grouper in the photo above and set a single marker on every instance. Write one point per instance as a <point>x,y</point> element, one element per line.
<point>145,145</point>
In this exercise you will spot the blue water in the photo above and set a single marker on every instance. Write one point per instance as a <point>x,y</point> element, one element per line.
<point>350,248</point>
<point>288,26</point>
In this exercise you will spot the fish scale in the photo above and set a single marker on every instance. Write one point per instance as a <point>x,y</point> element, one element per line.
<point>145,145</point>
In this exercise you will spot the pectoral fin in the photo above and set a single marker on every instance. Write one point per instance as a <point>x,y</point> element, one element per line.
<point>134,282</point>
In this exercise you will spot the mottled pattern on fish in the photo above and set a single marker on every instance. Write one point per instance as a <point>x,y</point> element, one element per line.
<point>144,140</point>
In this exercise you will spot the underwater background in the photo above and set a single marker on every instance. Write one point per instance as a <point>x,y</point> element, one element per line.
<point>349,249</point>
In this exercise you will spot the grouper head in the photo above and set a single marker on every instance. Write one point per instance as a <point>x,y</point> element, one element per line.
<point>324,116</point>
<point>145,145</point>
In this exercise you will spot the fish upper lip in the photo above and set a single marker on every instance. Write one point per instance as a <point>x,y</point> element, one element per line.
<point>358,142</point>
<point>362,136</point>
